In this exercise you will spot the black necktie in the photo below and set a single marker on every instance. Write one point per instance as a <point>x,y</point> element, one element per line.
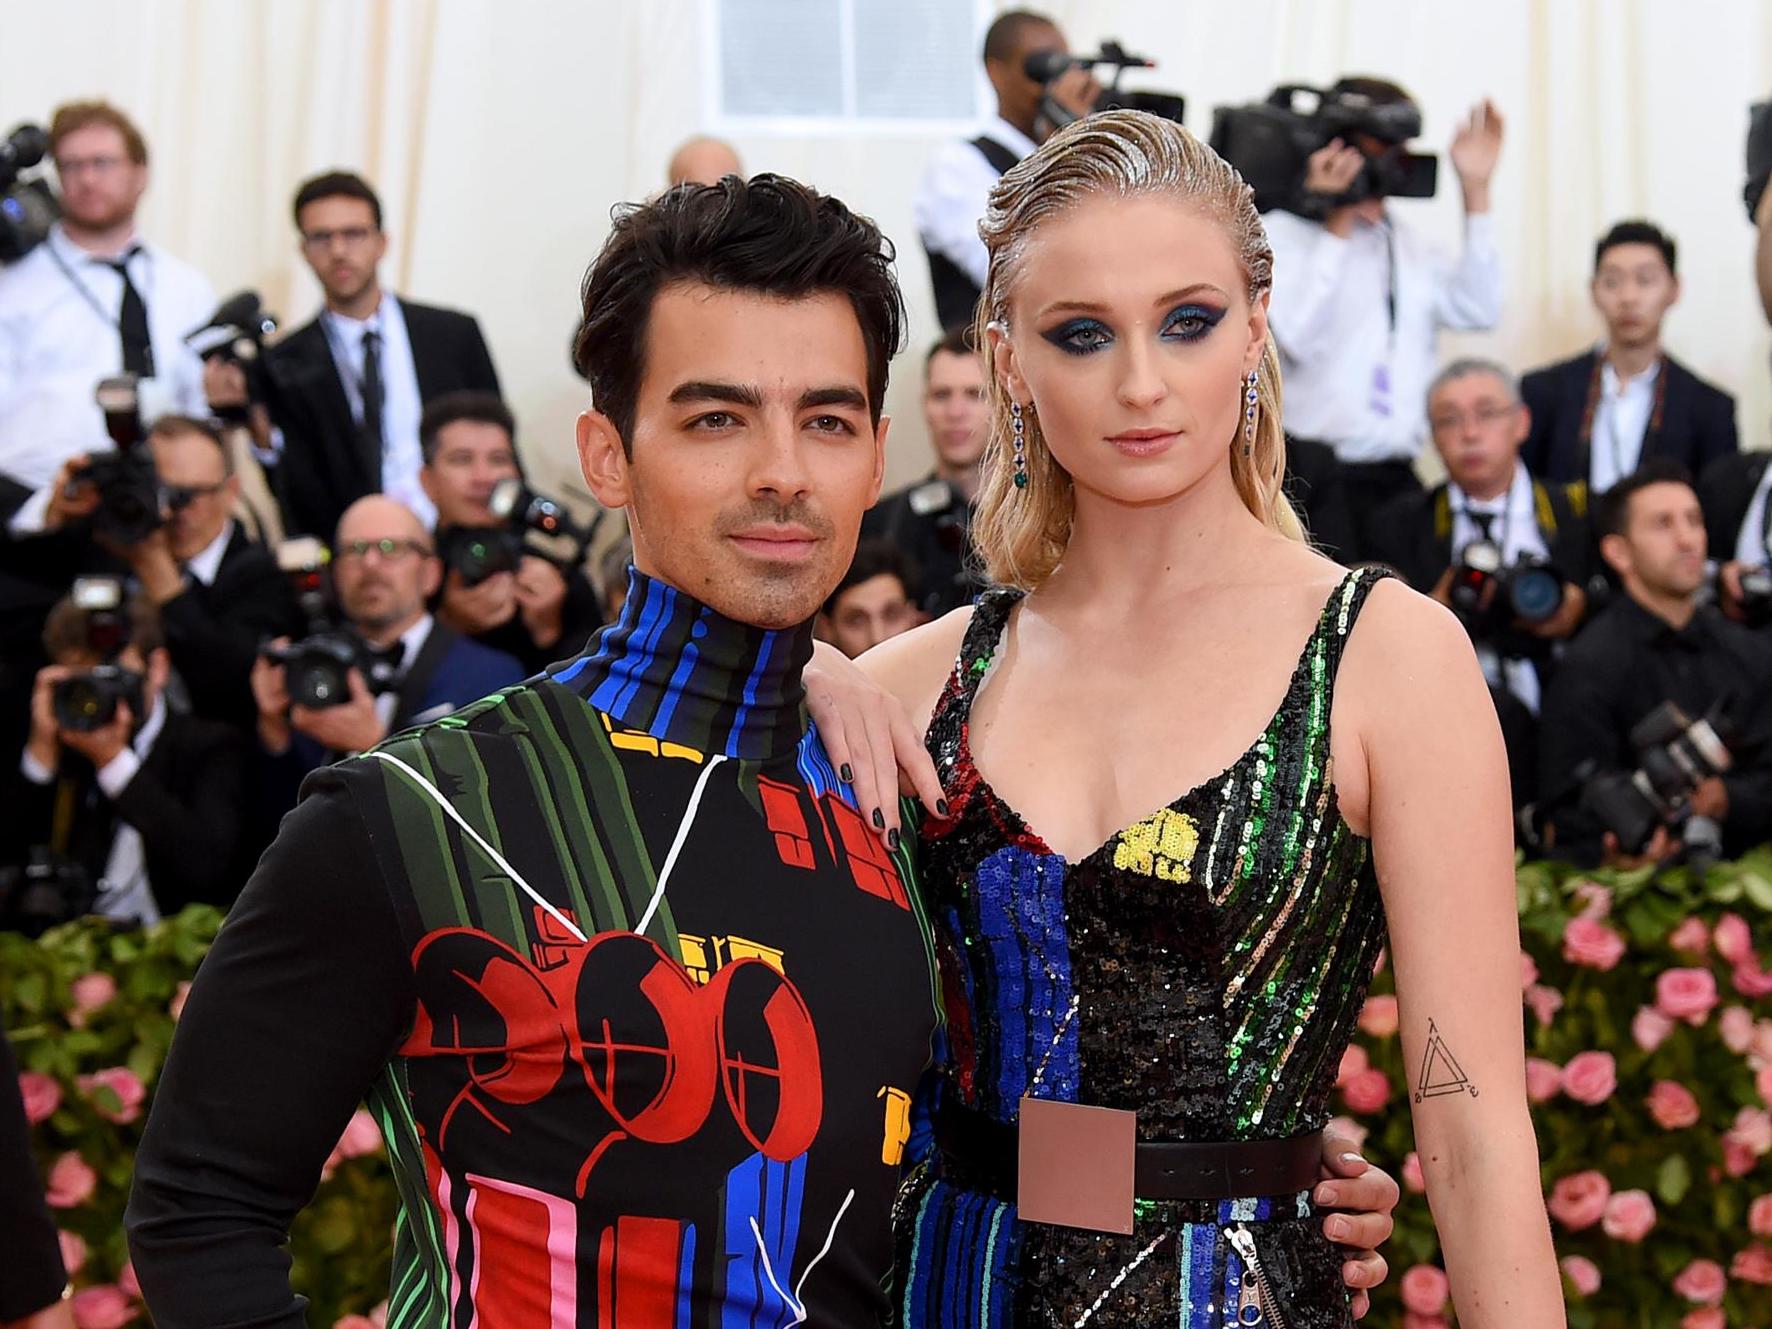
<point>382,665</point>
<point>1485,524</point>
<point>132,321</point>
<point>372,393</point>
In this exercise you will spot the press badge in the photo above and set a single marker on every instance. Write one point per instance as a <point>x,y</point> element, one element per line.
<point>1379,399</point>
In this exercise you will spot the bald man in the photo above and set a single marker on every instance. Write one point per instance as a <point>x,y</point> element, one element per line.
<point>702,161</point>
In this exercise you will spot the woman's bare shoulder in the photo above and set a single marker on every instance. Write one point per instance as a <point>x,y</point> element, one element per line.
<point>914,666</point>
<point>1410,649</point>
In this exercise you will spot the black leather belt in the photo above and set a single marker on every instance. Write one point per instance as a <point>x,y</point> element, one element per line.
<point>984,1148</point>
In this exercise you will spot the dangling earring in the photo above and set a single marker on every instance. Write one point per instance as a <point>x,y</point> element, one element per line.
<point>1249,399</point>
<point>1021,456</point>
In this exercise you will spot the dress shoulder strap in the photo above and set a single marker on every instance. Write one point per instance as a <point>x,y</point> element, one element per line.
<point>1341,613</point>
<point>978,649</point>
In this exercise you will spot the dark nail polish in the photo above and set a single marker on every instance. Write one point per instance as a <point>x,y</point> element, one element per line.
<point>892,840</point>
<point>941,807</point>
<point>848,773</point>
<point>879,819</point>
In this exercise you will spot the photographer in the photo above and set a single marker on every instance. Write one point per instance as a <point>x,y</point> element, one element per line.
<point>144,802</point>
<point>1736,496</point>
<point>1654,644</point>
<point>1359,298</point>
<point>872,603</point>
<point>956,185</point>
<point>1598,416</point>
<point>535,611</point>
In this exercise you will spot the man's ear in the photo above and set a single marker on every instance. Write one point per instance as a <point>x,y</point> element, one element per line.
<point>879,459</point>
<point>426,483</point>
<point>432,577</point>
<point>1615,549</point>
<point>603,460</point>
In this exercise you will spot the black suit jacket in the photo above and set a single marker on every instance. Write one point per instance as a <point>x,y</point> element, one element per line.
<point>188,801</point>
<point>1697,420</point>
<point>1415,533</point>
<point>325,466</point>
<point>1318,494</point>
<point>1725,494</point>
<point>213,632</point>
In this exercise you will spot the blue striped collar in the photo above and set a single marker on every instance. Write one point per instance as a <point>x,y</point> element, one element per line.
<point>684,673</point>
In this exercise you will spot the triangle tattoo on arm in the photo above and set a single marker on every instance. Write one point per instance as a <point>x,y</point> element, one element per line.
<point>1440,1071</point>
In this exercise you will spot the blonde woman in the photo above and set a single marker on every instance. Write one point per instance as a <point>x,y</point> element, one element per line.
<point>1191,771</point>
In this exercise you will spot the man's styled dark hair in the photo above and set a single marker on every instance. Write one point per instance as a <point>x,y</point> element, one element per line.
<point>1378,91</point>
<point>486,408</point>
<point>172,426</point>
<point>1636,231</point>
<point>1004,35</point>
<point>336,184</point>
<point>768,235</point>
<point>955,341</point>
<point>873,558</point>
<point>1612,516</point>
<point>76,116</point>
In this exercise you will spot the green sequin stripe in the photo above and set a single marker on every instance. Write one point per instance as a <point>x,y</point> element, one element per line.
<point>418,1291</point>
<point>908,873</point>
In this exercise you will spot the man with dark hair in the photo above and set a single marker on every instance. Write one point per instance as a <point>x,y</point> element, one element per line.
<point>872,602</point>
<point>1360,299</point>
<point>639,997</point>
<point>956,184</point>
<point>931,519</point>
<point>1656,643</point>
<point>147,803</point>
<point>347,390</point>
<point>1598,416</point>
<point>539,610</point>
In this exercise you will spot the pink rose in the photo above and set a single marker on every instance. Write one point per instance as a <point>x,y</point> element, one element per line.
<point>1736,1026</point>
<point>379,1316</point>
<point>1579,1200</point>
<point>71,1182</point>
<point>1629,1216</point>
<point>1691,937</point>
<point>362,1136</point>
<point>1759,1216</point>
<point>1753,1265</point>
<point>1596,900</point>
<point>1649,1027</point>
<point>127,1280</point>
<point>42,1095</point>
<point>1753,1127</point>
<point>1686,994</point>
<point>1412,1179</point>
<point>1590,1077</point>
<point>1734,942</point>
<point>1751,980</point>
<point>176,1007</point>
<point>1544,1079</point>
<point>1762,1044</point>
<point>1544,1001</point>
<point>89,991</point>
<point>121,1081</point>
<point>1763,1083</point>
<point>1589,942</point>
<point>1367,1092</point>
<point>1413,1321</point>
<point>1353,1061</point>
<point>1424,1290</point>
<point>1528,971</point>
<point>1378,1016</point>
<point>353,1322</point>
<point>73,1252</point>
<point>1738,1158</point>
<point>1705,1317</point>
<point>1672,1105</point>
<point>1350,1130</point>
<point>104,1307</point>
<point>1702,1282</point>
<point>1583,1273</point>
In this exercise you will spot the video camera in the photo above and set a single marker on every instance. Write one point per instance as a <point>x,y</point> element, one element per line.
<point>130,495</point>
<point>1528,590</point>
<point>317,668</point>
<point>235,334</point>
<point>88,700</point>
<point>1048,66</point>
<point>1675,754</point>
<point>478,552</point>
<point>28,208</point>
<point>48,889</point>
<point>1270,143</point>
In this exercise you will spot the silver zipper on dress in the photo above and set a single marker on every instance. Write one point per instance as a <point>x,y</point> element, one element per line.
<point>1264,1304</point>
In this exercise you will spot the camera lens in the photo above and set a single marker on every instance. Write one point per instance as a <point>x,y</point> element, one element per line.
<point>1536,594</point>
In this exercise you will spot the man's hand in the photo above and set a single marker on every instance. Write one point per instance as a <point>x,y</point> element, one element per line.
<point>1332,171</point>
<point>1476,148</point>
<point>1076,90</point>
<point>270,691</point>
<point>56,1315</point>
<point>541,596</point>
<point>1562,624</point>
<point>155,568</point>
<point>73,498</point>
<point>224,383</point>
<point>1729,595</point>
<point>1661,847</point>
<point>471,610</point>
<point>43,744</point>
<point>351,727</point>
<point>1363,1197</point>
<point>100,746</point>
<point>1711,799</point>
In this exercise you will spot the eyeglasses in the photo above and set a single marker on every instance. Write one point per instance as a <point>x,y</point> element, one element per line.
<point>388,550</point>
<point>318,242</point>
<point>1444,422</point>
<point>70,166</point>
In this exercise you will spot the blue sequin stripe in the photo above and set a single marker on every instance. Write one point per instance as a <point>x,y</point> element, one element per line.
<point>963,1251</point>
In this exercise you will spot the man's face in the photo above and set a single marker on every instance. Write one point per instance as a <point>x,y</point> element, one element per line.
<point>342,244</point>
<point>1663,546</point>
<point>192,463</point>
<point>1018,96</point>
<point>100,185</point>
<point>383,567</point>
<point>1633,291</point>
<point>471,457</point>
<point>753,455</point>
<point>868,613</point>
<point>1478,429</point>
<point>955,408</point>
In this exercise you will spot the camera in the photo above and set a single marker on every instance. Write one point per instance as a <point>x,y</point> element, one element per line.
<point>46,890</point>
<point>88,700</point>
<point>130,496</point>
<point>1529,590</point>
<point>1756,596</point>
<point>28,208</point>
<point>1047,66</point>
<point>317,668</point>
<point>1675,754</point>
<point>236,334</point>
<point>1271,142</point>
<point>515,503</point>
<point>476,553</point>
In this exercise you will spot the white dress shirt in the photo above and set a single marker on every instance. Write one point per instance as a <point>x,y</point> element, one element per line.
<point>206,562</point>
<point>124,891</point>
<point>1356,370</point>
<point>59,313</point>
<point>412,641</point>
<point>401,456</point>
<point>1750,543</point>
<point>953,194</point>
<point>1513,530</point>
<point>1621,420</point>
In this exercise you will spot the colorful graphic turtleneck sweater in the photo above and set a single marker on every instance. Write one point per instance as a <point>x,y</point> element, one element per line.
<point>643,999</point>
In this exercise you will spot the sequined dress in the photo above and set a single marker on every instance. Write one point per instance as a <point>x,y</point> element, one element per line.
<point>1204,967</point>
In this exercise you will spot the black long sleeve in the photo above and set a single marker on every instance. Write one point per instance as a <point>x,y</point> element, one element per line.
<point>213,634</point>
<point>31,1273</point>
<point>190,838</point>
<point>301,1002</point>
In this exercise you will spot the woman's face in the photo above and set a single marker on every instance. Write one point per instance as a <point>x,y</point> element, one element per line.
<point>1131,332</point>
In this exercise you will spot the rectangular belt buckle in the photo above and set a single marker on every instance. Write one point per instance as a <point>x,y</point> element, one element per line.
<point>1075,1165</point>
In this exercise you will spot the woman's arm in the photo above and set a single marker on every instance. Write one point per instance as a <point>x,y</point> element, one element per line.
<point>1438,805</point>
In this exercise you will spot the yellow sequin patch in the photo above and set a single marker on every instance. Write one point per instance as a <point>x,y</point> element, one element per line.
<point>1161,846</point>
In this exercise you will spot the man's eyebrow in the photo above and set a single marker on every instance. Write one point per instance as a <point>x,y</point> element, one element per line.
<point>697,390</point>
<point>834,396</point>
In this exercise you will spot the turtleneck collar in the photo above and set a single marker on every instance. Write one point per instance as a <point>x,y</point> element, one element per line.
<point>683,673</point>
